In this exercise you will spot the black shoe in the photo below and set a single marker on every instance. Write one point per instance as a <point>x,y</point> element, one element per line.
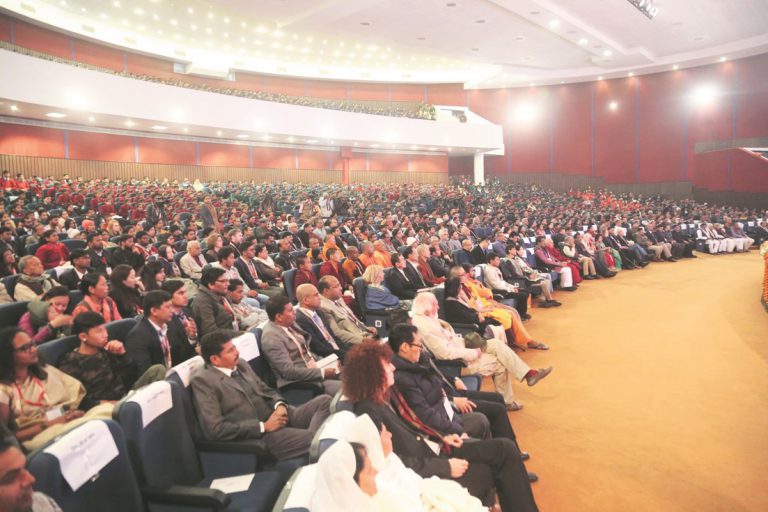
<point>554,303</point>
<point>524,456</point>
<point>569,289</point>
<point>533,477</point>
<point>525,317</point>
<point>547,305</point>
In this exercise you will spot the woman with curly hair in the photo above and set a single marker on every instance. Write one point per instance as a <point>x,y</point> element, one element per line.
<point>368,380</point>
<point>124,291</point>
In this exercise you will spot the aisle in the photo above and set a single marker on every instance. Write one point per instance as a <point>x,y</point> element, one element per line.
<point>659,398</point>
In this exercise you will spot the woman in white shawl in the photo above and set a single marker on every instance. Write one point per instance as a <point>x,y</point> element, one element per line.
<point>398,488</point>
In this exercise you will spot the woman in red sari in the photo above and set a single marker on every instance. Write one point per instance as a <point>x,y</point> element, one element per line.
<point>559,256</point>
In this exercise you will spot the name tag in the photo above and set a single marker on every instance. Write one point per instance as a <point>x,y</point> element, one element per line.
<point>53,413</point>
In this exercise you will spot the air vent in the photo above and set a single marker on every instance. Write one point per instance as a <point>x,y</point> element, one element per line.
<point>180,53</point>
<point>88,28</point>
<point>28,7</point>
<point>130,40</point>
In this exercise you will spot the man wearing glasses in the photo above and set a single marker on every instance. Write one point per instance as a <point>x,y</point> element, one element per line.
<point>211,309</point>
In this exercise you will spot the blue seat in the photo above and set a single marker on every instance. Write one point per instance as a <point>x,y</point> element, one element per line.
<point>316,269</point>
<point>73,244</point>
<point>10,283</point>
<point>75,298</point>
<point>377,318</point>
<point>119,329</point>
<point>11,313</point>
<point>297,493</point>
<point>113,487</point>
<point>289,276</point>
<point>52,351</point>
<point>166,460</point>
<point>177,259</point>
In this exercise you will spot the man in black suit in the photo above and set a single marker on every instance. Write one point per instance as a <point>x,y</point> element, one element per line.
<point>101,260</point>
<point>284,258</point>
<point>80,260</point>
<point>148,342</point>
<point>479,254</point>
<point>411,267</point>
<point>182,329</point>
<point>398,281</point>
<point>125,255</point>
<point>628,257</point>
<point>309,318</point>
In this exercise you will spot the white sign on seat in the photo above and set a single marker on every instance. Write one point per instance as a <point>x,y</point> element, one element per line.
<point>83,452</point>
<point>247,346</point>
<point>154,400</point>
<point>183,370</point>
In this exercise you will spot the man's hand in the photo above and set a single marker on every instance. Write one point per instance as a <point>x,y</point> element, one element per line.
<point>372,330</point>
<point>458,467</point>
<point>465,405</point>
<point>459,384</point>
<point>453,440</point>
<point>59,320</point>
<point>115,347</point>
<point>330,373</point>
<point>276,421</point>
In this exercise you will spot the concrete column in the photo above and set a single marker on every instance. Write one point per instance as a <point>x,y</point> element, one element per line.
<point>479,168</point>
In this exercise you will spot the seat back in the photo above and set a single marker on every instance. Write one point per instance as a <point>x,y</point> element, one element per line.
<point>253,354</point>
<point>119,329</point>
<point>73,243</point>
<point>111,487</point>
<point>52,351</point>
<point>297,493</point>
<point>11,313</point>
<point>360,291</point>
<point>289,276</point>
<point>10,283</point>
<point>333,428</point>
<point>180,375</point>
<point>75,298</point>
<point>439,292</point>
<point>177,259</point>
<point>316,269</point>
<point>161,447</point>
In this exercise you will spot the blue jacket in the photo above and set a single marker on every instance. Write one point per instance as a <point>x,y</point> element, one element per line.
<point>380,298</point>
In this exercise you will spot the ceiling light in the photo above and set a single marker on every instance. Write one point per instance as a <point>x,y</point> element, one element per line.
<point>116,3</point>
<point>432,149</point>
<point>265,137</point>
<point>14,108</point>
<point>480,21</point>
<point>365,23</point>
<point>421,38</point>
<point>607,53</point>
<point>159,127</point>
<point>451,4</point>
<point>129,123</point>
<point>291,139</point>
<point>91,119</point>
<point>630,74</point>
<point>174,22</point>
<point>613,106</point>
<point>675,67</point>
<point>242,136</point>
<point>190,10</point>
<point>583,41</point>
<point>723,59</point>
<point>312,141</point>
<point>138,11</point>
<point>646,7</point>
<point>475,49</point>
<point>704,95</point>
<point>526,112</point>
<point>600,77</point>
<point>414,147</point>
<point>375,145</point>
<point>56,115</point>
<point>554,23</point>
<point>185,129</point>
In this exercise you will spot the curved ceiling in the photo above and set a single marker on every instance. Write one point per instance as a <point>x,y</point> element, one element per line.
<point>481,43</point>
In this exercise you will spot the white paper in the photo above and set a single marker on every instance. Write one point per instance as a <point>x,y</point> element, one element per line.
<point>233,484</point>
<point>448,408</point>
<point>154,400</point>
<point>183,370</point>
<point>247,346</point>
<point>83,452</point>
<point>53,413</point>
<point>330,361</point>
<point>750,224</point>
<point>683,226</point>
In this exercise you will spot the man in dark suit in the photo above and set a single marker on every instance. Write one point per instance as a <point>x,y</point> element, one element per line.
<point>125,255</point>
<point>182,329</point>
<point>101,260</point>
<point>322,341</point>
<point>412,267</point>
<point>479,254</point>
<point>148,342</point>
<point>211,309</point>
<point>464,255</point>
<point>284,258</point>
<point>80,260</point>
<point>232,403</point>
<point>398,281</point>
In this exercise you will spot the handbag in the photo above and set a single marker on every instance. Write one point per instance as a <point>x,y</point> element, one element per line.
<point>474,340</point>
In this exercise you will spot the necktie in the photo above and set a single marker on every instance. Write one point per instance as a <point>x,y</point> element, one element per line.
<point>166,348</point>
<point>326,335</point>
<point>346,311</point>
<point>300,346</point>
<point>199,260</point>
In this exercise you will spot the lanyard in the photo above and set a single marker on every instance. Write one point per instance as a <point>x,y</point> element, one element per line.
<point>40,397</point>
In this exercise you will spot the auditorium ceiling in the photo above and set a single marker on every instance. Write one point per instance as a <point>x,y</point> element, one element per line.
<point>481,43</point>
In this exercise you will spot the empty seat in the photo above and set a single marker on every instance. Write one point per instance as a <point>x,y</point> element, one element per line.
<point>11,313</point>
<point>52,351</point>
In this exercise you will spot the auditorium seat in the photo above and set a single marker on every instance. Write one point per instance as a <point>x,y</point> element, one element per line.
<point>112,487</point>
<point>297,493</point>
<point>167,463</point>
<point>289,277</point>
<point>51,352</point>
<point>119,329</point>
<point>11,313</point>
<point>377,318</point>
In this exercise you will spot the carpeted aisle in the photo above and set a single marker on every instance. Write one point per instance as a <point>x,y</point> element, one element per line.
<point>659,398</point>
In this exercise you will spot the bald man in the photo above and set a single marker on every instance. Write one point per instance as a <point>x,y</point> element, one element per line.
<point>321,342</point>
<point>344,325</point>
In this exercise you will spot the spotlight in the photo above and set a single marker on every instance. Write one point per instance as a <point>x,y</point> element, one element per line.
<point>613,106</point>
<point>526,112</point>
<point>704,95</point>
<point>646,7</point>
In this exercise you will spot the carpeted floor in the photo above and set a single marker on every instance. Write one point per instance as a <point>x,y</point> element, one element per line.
<point>659,397</point>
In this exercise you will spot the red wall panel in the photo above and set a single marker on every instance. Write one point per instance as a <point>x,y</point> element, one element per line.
<point>223,154</point>
<point>5,28</point>
<point>387,162</point>
<point>529,135</point>
<point>98,55</point>
<point>101,146</point>
<point>419,163</point>
<point>615,134</point>
<point>752,98</point>
<point>447,94</point>
<point>407,92</point>
<point>357,162</point>
<point>316,159</point>
<point>572,128</point>
<point>31,141</point>
<point>289,86</point>
<point>41,39</point>
<point>326,89</point>
<point>142,65</point>
<point>158,151</point>
<point>273,158</point>
<point>750,173</point>
<point>662,127</point>
<point>367,91</point>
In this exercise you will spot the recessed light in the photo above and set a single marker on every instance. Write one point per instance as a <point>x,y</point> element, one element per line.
<point>600,77</point>
<point>451,4</point>
<point>312,141</point>
<point>475,49</point>
<point>218,132</point>
<point>129,123</point>
<point>14,108</point>
<point>675,67</point>
<point>185,129</point>
<point>613,105</point>
<point>365,23</point>
<point>723,59</point>
<point>519,38</point>
<point>432,149</point>
<point>535,13</point>
<point>291,139</point>
<point>138,11</point>
<point>265,137</point>
<point>698,38</point>
<point>56,115</point>
<point>159,127</point>
<point>421,38</point>
<point>242,136</point>
<point>607,53</point>
<point>357,143</point>
<point>375,145</point>
<point>479,21</point>
<point>630,74</point>
<point>91,119</point>
<point>554,23</point>
<point>583,41</point>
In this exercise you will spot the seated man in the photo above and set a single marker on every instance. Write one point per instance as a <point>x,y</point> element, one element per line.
<point>495,281</point>
<point>81,260</point>
<point>211,309</point>
<point>286,347</point>
<point>32,283</point>
<point>102,365</point>
<point>247,316</point>
<point>322,341</point>
<point>148,342</point>
<point>193,262</point>
<point>496,359</point>
<point>233,403</point>
<point>342,322</point>
<point>16,492</point>
<point>398,282</point>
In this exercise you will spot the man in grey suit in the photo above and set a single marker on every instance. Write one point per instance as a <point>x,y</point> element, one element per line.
<point>286,347</point>
<point>344,325</point>
<point>232,403</point>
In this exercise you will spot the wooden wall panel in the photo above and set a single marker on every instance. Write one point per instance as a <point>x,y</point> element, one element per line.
<point>101,146</point>
<point>158,151</point>
<point>228,155</point>
<point>397,177</point>
<point>98,55</point>
<point>40,39</point>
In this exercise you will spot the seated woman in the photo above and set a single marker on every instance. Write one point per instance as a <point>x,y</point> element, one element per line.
<point>38,402</point>
<point>477,465</point>
<point>8,266</point>
<point>556,254</point>
<point>124,291</point>
<point>213,243</point>
<point>45,319</point>
<point>268,271</point>
<point>377,295</point>
<point>153,275</point>
<point>165,255</point>
<point>587,265</point>
<point>610,257</point>
<point>96,297</point>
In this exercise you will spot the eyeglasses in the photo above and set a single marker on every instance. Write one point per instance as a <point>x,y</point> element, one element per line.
<point>222,280</point>
<point>27,347</point>
<point>417,345</point>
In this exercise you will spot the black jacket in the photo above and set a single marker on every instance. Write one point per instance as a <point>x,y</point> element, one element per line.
<point>317,343</point>
<point>143,346</point>
<point>423,389</point>
<point>400,286</point>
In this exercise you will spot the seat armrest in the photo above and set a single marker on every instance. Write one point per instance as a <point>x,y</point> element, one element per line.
<point>465,328</point>
<point>453,363</point>
<point>187,495</point>
<point>315,387</point>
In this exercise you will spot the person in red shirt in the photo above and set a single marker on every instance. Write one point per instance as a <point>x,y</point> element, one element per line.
<point>52,253</point>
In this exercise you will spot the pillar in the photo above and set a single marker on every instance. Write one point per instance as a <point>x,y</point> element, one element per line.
<point>346,156</point>
<point>479,168</point>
